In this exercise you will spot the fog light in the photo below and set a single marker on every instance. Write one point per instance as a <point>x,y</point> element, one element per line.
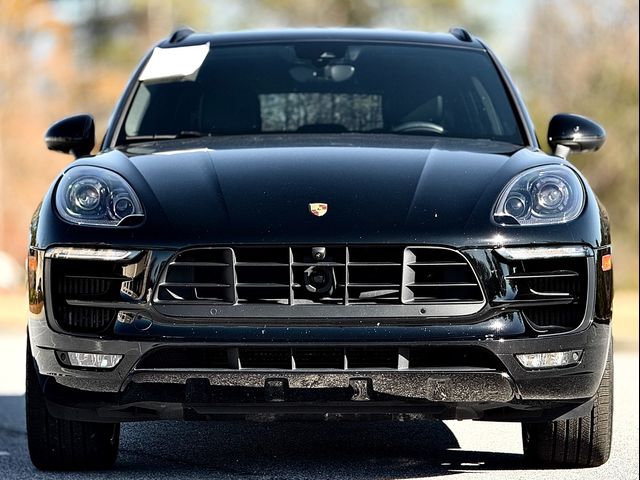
<point>550,359</point>
<point>91,360</point>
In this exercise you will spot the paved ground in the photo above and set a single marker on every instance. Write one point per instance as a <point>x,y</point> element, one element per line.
<point>317,450</point>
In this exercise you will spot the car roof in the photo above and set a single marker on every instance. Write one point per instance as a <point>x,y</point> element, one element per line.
<point>456,37</point>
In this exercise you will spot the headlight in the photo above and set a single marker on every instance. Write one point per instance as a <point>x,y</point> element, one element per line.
<point>541,196</point>
<point>95,196</point>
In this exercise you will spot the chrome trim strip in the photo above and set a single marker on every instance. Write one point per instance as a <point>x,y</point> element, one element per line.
<point>103,254</point>
<point>537,253</point>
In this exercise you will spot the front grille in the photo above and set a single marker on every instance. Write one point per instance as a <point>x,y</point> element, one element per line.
<point>85,319</point>
<point>372,357</point>
<point>185,357</point>
<point>565,317</point>
<point>82,291</point>
<point>319,357</point>
<point>553,292</point>
<point>328,357</point>
<point>318,276</point>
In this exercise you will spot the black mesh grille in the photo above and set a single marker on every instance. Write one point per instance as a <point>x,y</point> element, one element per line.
<point>321,276</point>
<point>563,317</point>
<point>372,357</point>
<point>330,357</point>
<point>453,357</point>
<point>319,357</point>
<point>82,289</point>
<point>554,289</point>
<point>267,357</point>
<point>85,319</point>
<point>185,357</point>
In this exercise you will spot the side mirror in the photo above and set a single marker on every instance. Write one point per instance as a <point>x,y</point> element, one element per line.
<point>74,135</point>
<point>574,133</point>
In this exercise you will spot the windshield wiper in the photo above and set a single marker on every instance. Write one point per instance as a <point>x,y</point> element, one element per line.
<point>192,134</point>
<point>181,134</point>
<point>147,138</point>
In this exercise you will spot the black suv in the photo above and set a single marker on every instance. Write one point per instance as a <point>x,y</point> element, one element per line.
<point>330,223</point>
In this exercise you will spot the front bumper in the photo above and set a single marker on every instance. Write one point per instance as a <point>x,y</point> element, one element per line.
<point>498,388</point>
<point>506,393</point>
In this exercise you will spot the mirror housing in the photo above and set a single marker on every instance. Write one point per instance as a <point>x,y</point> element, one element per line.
<point>574,133</point>
<point>74,135</point>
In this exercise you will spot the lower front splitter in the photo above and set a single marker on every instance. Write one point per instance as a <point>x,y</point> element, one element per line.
<point>434,386</point>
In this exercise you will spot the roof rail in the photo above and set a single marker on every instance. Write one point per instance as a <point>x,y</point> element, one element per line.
<point>180,34</point>
<point>461,34</point>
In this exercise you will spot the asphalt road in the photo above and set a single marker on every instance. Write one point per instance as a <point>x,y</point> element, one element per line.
<point>317,450</point>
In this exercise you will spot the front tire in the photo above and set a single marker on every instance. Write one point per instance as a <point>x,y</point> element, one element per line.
<point>56,444</point>
<point>577,442</point>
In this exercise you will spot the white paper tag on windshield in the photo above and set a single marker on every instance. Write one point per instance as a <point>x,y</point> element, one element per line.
<point>174,62</point>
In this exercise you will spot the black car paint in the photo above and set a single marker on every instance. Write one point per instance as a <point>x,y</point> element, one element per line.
<point>255,190</point>
<point>575,131</point>
<point>214,199</point>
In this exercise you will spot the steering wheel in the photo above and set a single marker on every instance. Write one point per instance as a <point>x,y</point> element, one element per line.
<point>419,126</point>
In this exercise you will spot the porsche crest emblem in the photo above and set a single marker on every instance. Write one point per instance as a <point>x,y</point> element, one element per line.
<point>318,209</point>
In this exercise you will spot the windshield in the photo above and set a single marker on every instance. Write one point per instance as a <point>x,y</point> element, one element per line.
<point>327,87</point>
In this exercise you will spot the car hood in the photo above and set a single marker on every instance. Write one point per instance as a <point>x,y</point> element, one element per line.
<point>197,193</point>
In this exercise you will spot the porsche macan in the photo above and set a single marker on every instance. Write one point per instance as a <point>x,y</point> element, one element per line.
<point>320,223</point>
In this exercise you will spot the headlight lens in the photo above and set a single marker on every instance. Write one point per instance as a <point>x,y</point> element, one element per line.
<point>96,196</point>
<point>541,196</point>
